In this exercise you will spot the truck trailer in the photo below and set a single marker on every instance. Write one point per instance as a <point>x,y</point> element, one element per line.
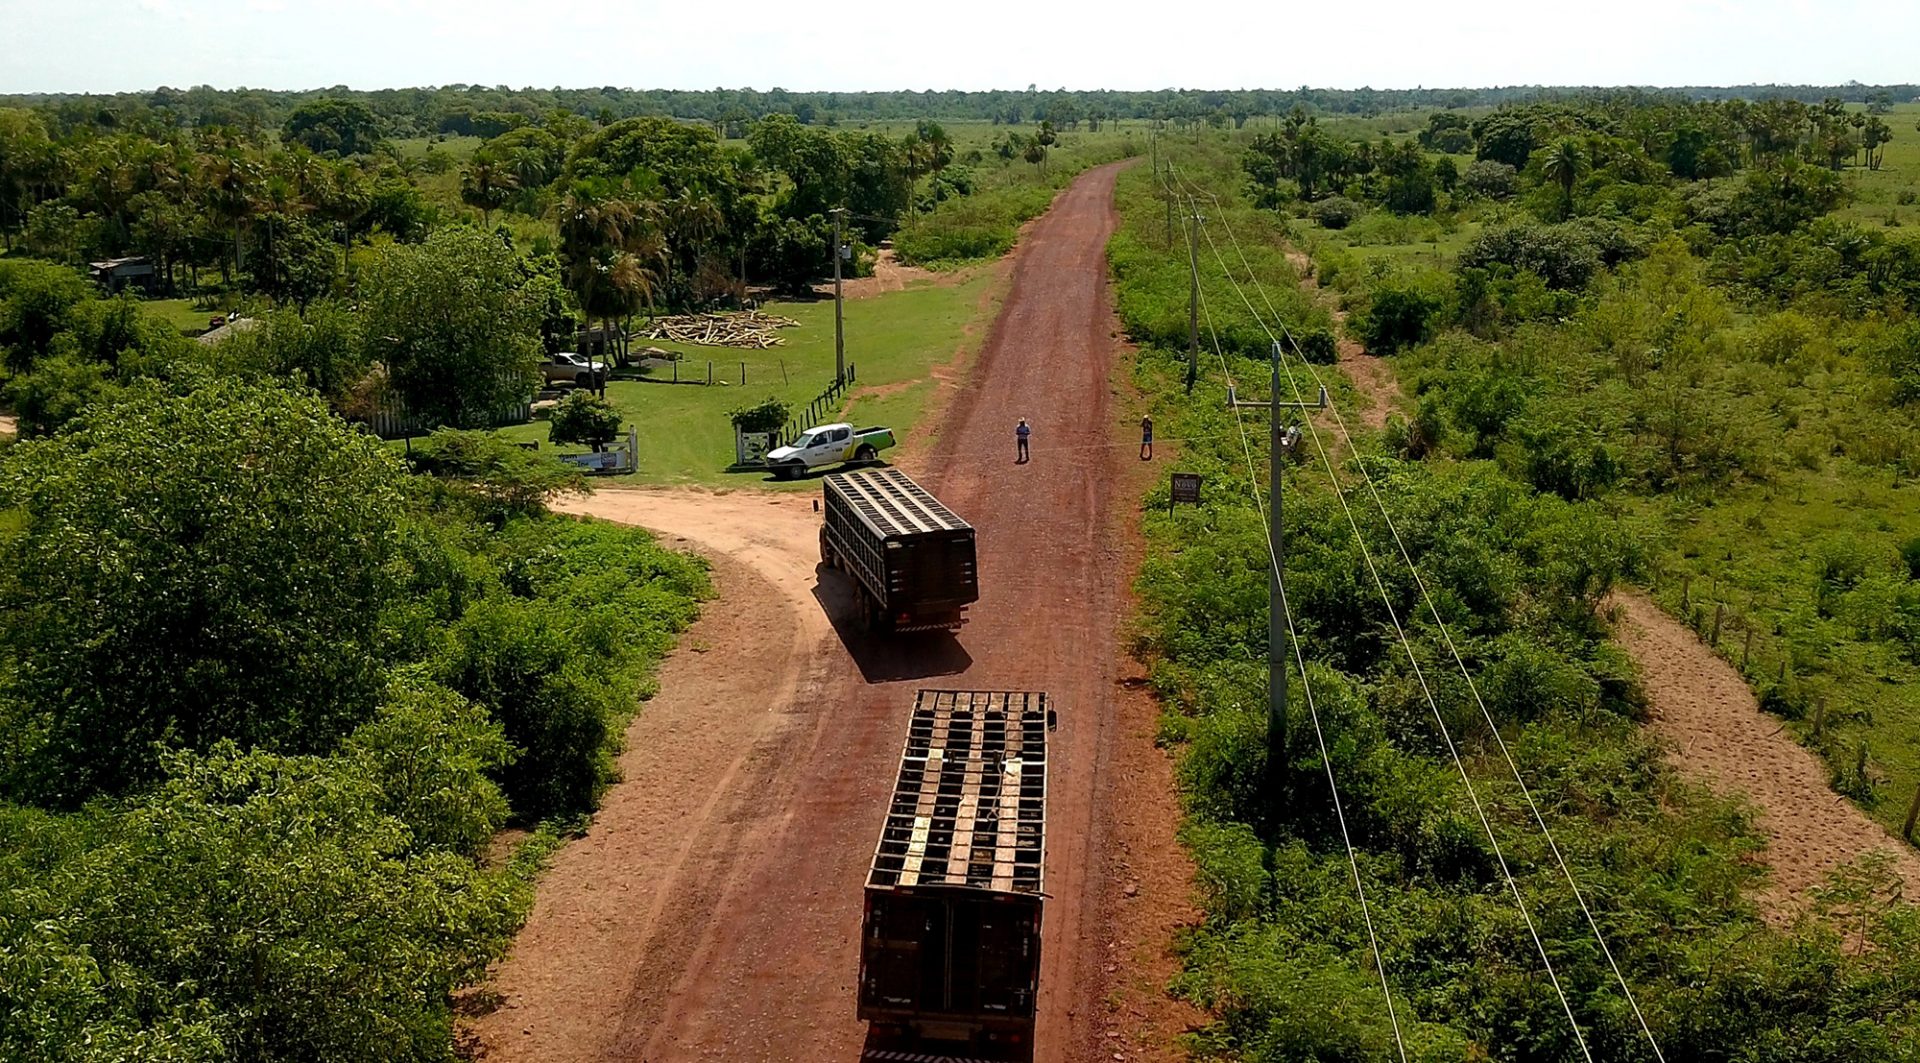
<point>950,942</point>
<point>910,558</point>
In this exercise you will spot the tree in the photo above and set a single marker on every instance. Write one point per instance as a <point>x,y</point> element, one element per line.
<point>487,186</point>
<point>1874,134</point>
<point>327,124</point>
<point>583,417</point>
<point>455,323</point>
<point>189,569</point>
<point>296,263</point>
<point>1563,163</point>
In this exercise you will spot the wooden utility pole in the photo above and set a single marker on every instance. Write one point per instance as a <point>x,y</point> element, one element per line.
<point>839,326</point>
<point>1280,443</point>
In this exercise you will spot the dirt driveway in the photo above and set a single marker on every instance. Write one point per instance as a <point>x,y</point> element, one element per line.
<point>713,910</point>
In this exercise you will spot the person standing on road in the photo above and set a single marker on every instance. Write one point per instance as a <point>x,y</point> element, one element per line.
<point>1020,433</point>
<point>1146,438</point>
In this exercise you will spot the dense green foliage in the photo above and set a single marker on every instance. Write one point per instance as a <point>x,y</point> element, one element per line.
<point>189,570</point>
<point>458,321</point>
<point>268,701</point>
<point>1282,960</point>
<point>1679,311</point>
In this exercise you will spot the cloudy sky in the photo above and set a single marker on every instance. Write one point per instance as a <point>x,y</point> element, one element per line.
<point>115,45</point>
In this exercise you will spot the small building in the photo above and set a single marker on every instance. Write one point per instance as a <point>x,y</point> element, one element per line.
<point>117,273</point>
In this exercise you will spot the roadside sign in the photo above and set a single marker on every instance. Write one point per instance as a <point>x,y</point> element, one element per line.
<point>1186,488</point>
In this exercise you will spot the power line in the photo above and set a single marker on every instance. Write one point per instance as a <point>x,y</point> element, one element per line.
<point>1446,634</point>
<point>1313,712</point>
<point>1420,675</point>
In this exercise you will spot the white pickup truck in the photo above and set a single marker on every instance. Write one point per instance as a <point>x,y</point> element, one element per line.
<point>828,444</point>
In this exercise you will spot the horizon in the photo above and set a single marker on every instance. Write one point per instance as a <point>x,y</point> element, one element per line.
<point>866,46</point>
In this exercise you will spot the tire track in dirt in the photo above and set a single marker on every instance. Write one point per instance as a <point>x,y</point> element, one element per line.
<point>713,910</point>
<point>1706,711</point>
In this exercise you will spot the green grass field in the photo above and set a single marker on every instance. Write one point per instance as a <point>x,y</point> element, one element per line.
<point>893,342</point>
<point>180,313</point>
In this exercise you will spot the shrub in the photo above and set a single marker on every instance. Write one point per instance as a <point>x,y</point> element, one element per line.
<point>1561,254</point>
<point>583,417</point>
<point>1317,345</point>
<point>1398,316</point>
<point>1489,180</point>
<point>769,415</point>
<point>503,479</point>
<point>1334,212</point>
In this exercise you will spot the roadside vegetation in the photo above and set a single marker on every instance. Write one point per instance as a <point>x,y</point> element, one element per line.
<point>1702,316</point>
<point>268,699</point>
<point>1283,959</point>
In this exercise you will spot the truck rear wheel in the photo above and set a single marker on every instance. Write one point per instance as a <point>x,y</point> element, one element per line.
<point>582,381</point>
<point>826,550</point>
<point>865,453</point>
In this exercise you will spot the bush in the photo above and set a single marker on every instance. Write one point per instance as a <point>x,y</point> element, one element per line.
<point>769,415</point>
<point>1489,180</point>
<point>1317,345</point>
<point>1334,212</point>
<point>503,480</point>
<point>1398,316</point>
<point>583,417</point>
<point>1562,255</point>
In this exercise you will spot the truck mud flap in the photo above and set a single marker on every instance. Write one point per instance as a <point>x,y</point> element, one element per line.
<point>894,1055</point>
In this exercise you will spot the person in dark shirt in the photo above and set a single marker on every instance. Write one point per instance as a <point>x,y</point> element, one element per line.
<point>1146,438</point>
<point>1020,434</point>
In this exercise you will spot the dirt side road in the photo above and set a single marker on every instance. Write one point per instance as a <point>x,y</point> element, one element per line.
<point>713,910</point>
<point>1370,373</point>
<point>1703,707</point>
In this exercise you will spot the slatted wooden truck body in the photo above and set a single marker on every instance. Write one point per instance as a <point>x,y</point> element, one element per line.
<point>950,945</point>
<point>912,557</point>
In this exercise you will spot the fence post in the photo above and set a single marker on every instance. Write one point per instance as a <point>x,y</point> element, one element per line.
<point>1819,713</point>
<point>1913,812</point>
<point>709,372</point>
<point>676,370</point>
<point>1719,613</point>
<point>743,374</point>
<point>1746,652</point>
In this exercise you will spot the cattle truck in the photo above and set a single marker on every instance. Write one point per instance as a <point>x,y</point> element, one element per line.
<point>950,942</point>
<point>910,558</point>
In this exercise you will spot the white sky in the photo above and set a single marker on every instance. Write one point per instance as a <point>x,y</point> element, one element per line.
<point>118,45</point>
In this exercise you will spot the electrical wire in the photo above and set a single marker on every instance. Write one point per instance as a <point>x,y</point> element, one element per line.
<point>1447,635</point>
<point>1293,636</point>
<point>1419,674</point>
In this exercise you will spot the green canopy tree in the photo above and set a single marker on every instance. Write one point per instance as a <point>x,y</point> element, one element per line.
<point>188,569</point>
<point>1563,163</point>
<point>456,324</point>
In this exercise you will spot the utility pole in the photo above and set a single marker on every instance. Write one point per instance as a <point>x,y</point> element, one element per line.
<point>839,326</point>
<point>1280,444</point>
<point>1193,299</point>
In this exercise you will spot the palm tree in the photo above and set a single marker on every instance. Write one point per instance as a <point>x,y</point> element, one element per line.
<point>487,185</point>
<point>1563,164</point>
<point>228,179</point>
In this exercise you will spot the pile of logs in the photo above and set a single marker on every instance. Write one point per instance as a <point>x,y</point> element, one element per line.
<point>749,328</point>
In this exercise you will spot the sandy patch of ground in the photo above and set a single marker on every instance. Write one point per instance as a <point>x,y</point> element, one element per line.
<point>1707,712</point>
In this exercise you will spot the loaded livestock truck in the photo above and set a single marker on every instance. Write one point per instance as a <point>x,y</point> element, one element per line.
<point>910,558</point>
<point>950,942</point>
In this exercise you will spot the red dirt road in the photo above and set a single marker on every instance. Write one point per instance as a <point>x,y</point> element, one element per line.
<point>712,912</point>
